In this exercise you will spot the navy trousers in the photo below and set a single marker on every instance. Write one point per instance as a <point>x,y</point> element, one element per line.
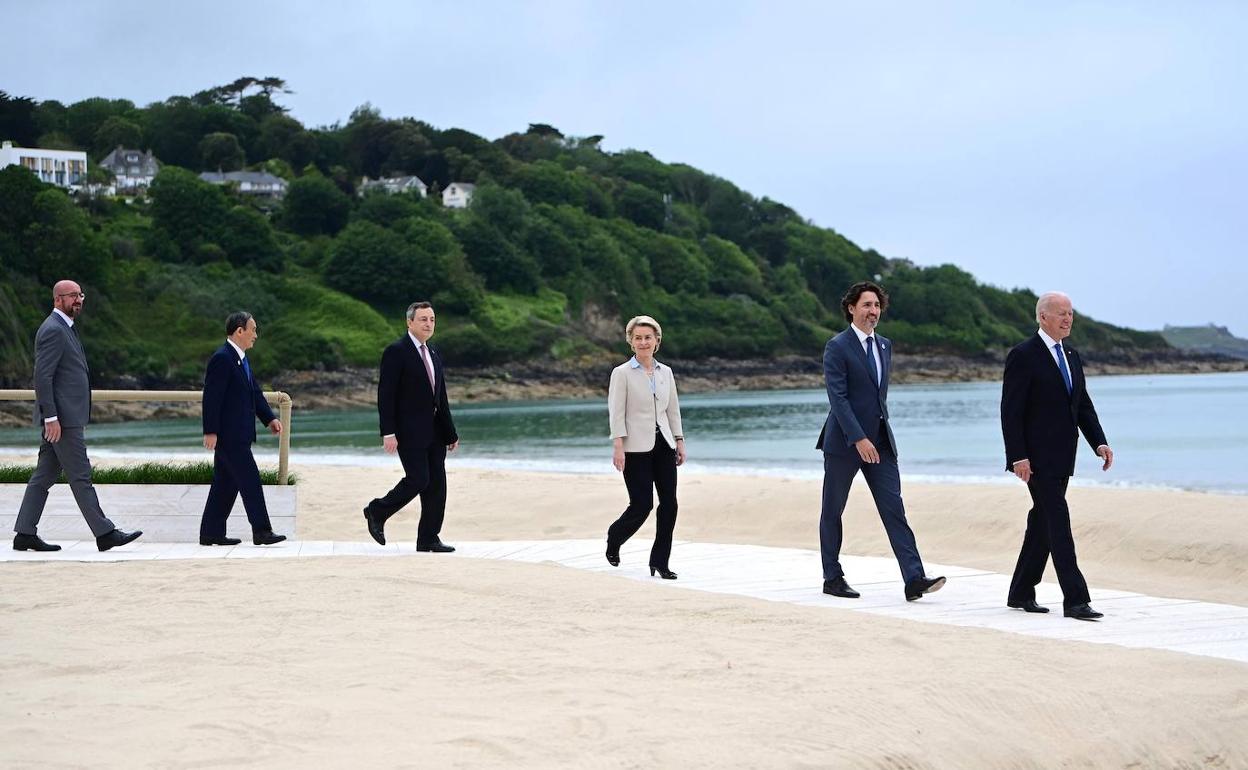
<point>234,473</point>
<point>884,480</point>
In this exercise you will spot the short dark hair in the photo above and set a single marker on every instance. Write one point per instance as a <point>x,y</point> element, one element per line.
<point>412,308</point>
<point>855,293</point>
<point>235,321</point>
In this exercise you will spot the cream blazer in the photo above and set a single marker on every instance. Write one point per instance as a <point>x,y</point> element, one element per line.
<point>634,410</point>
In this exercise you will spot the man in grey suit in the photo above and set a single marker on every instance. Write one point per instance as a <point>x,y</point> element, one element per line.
<point>857,437</point>
<point>63,409</point>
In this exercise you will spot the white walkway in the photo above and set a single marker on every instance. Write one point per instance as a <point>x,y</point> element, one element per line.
<point>970,598</point>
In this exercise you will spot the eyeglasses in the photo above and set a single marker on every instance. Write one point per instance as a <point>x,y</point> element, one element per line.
<point>78,294</point>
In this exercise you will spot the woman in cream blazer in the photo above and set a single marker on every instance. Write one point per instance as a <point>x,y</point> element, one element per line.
<point>649,443</point>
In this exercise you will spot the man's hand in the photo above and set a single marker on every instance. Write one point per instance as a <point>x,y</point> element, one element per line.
<point>680,451</point>
<point>210,441</point>
<point>453,447</point>
<point>275,427</point>
<point>1105,454</point>
<point>390,444</point>
<point>1022,469</point>
<point>867,450</point>
<point>52,431</point>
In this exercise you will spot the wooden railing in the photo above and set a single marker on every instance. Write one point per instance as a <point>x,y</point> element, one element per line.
<point>274,397</point>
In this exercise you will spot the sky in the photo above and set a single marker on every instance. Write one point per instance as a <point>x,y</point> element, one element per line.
<point>1097,148</point>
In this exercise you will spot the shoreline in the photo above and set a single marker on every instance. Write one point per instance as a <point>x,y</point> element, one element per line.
<point>356,387</point>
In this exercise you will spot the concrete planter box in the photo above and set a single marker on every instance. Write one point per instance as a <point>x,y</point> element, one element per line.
<point>165,512</point>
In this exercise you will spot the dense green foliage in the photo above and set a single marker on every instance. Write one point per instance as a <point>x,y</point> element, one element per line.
<point>561,244</point>
<point>139,473</point>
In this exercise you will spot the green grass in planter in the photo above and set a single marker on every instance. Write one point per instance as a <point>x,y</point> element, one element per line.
<point>141,473</point>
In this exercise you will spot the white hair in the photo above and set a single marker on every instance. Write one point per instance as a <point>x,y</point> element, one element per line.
<point>1046,298</point>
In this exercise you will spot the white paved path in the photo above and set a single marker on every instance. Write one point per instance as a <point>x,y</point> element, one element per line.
<point>970,598</point>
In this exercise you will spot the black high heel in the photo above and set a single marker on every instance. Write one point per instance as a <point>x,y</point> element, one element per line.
<point>664,573</point>
<point>613,556</point>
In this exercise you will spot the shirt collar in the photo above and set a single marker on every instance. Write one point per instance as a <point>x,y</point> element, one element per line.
<point>633,362</point>
<point>241,353</point>
<point>1049,342</point>
<point>415,341</point>
<point>61,313</point>
<point>862,336</point>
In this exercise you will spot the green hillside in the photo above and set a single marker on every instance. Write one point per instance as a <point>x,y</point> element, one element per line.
<point>1206,339</point>
<point>563,241</point>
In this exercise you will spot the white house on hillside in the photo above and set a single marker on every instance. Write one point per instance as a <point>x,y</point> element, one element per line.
<point>132,169</point>
<point>261,184</point>
<point>393,185</point>
<point>458,195</point>
<point>63,168</point>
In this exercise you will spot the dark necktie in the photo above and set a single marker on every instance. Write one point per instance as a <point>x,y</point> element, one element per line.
<point>875,372</point>
<point>247,369</point>
<point>1061,364</point>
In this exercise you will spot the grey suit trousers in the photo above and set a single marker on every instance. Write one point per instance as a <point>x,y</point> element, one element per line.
<point>70,454</point>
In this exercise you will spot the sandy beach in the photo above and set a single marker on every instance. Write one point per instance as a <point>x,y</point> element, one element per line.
<point>429,661</point>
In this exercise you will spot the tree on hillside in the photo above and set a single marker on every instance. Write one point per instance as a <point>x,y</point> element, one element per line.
<point>17,120</point>
<point>84,118</point>
<point>315,206</point>
<point>496,259</point>
<point>281,136</point>
<point>221,152</point>
<point>115,132</point>
<point>60,242</point>
<point>188,210</point>
<point>248,240</point>
<point>375,264</point>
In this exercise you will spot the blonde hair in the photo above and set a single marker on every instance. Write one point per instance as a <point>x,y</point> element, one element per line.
<point>643,320</point>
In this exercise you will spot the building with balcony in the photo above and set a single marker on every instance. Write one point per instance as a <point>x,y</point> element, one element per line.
<point>63,168</point>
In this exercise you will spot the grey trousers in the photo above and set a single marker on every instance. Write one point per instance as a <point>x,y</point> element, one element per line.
<point>70,454</point>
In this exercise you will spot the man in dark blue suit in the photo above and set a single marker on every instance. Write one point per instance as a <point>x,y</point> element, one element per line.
<point>415,418</point>
<point>232,402</point>
<point>1044,406</point>
<point>857,437</point>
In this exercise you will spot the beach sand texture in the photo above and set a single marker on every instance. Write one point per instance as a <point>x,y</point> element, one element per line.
<point>430,662</point>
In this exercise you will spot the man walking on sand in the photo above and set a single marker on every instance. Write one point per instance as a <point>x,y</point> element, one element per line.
<point>62,411</point>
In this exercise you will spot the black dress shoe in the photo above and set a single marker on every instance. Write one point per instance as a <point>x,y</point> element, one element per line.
<point>437,546</point>
<point>838,587</point>
<point>664,573</point>
<point>116,538</point>
<point>376,525</point>
<point>266,538</point>
<point>923,585</point>
<point>1027,606</point>
<point>32,543</point>
<point>1082,612</point>
<point>613,555</point>
<point>219,541</point>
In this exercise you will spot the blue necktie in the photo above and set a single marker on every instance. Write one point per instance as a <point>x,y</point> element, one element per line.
<point>1061,364</point>
<point>875,373</point>
<point>247,370</point>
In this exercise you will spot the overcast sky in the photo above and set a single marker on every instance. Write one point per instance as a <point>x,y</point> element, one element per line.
<point>1097,148</point>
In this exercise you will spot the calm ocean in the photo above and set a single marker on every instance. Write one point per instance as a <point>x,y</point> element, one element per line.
<point>1186,431</point>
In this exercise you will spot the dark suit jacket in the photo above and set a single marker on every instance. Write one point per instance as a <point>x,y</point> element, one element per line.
<point>858,406</point>
<point>406,404</point>
<point>62,379</point>
<point>231,402</point>
<point>1039,420</point>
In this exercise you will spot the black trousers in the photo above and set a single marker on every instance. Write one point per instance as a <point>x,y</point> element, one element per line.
<point>644,473</point>
<point>424,474</point>
<point>1048,532</point>
<point>234,473</point>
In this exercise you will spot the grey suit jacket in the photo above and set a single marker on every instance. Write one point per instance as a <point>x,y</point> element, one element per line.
<point>62,379</point>
<point>858,407</point>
